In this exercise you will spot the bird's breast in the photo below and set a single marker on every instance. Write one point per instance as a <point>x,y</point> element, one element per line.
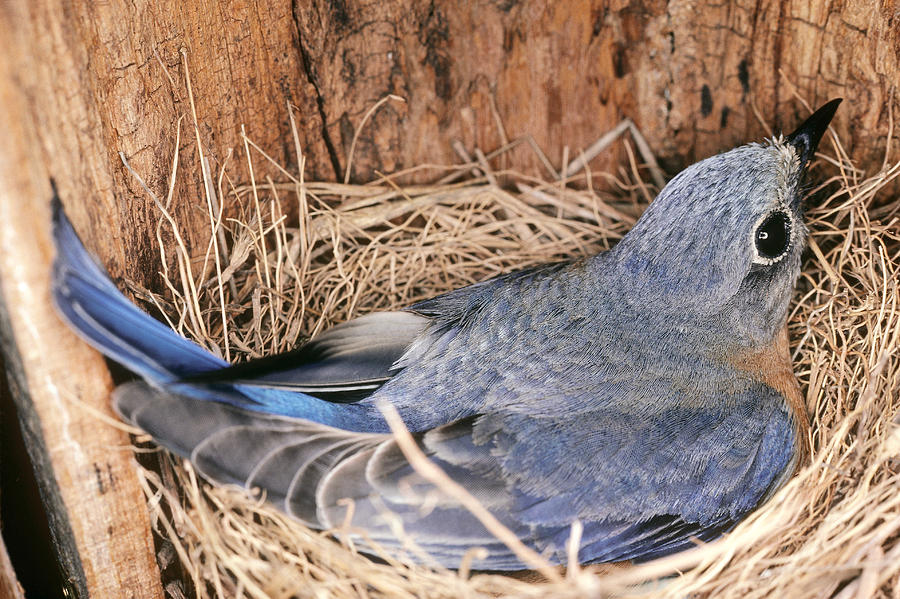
<point>771,365</point>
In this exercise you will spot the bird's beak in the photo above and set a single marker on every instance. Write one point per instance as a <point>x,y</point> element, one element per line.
<point>806,138</point>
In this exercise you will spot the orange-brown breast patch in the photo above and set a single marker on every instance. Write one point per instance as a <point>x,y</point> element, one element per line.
<point>772,366</point>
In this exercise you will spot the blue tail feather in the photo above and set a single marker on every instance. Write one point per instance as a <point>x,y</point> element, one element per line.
<point>106,319</point>
<point>95,308</point>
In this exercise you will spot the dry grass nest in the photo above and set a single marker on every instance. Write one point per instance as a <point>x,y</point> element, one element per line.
<point>266,282</point>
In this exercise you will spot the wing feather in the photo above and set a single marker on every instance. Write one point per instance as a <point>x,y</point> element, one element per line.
<point>344,364</point>
<point>702,480</point>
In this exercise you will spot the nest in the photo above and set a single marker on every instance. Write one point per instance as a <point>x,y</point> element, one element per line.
<point>268,281</point>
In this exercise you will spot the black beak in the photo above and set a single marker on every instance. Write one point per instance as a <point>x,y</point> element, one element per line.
<point>806,138</point>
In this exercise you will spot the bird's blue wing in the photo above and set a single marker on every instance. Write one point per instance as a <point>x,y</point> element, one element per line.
<point>352,361</point>
<point>642,480</point>
<point>308,470</point>
<point>345,364</point>
<point>641,486</point>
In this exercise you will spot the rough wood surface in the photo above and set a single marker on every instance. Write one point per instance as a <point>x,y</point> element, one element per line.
<point>103,78</point>
<point>97,512</point>
<point>9,585</point>
<point>688,73</point>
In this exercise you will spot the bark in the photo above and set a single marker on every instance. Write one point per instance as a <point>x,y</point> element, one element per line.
<point>9,586</point>
<point>692,75</point>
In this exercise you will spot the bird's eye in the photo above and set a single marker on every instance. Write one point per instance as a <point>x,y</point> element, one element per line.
<point>773,236</point>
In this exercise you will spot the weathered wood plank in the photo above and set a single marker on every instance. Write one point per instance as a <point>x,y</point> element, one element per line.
<point>9,585</point>
<point>109,77</point>
<point>98,515</point>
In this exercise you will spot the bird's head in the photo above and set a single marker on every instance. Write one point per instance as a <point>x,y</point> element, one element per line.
<point>724,237</point>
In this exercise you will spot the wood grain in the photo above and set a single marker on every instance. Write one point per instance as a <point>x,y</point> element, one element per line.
<point>104,78</point>
<point>98,515</point>
<point>688,73</point>
<point>9,585</point>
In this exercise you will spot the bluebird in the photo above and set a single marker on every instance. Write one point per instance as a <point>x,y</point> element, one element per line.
<point>646,392</point>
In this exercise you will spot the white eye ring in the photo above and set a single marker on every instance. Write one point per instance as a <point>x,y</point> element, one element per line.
<point>772,236</point>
